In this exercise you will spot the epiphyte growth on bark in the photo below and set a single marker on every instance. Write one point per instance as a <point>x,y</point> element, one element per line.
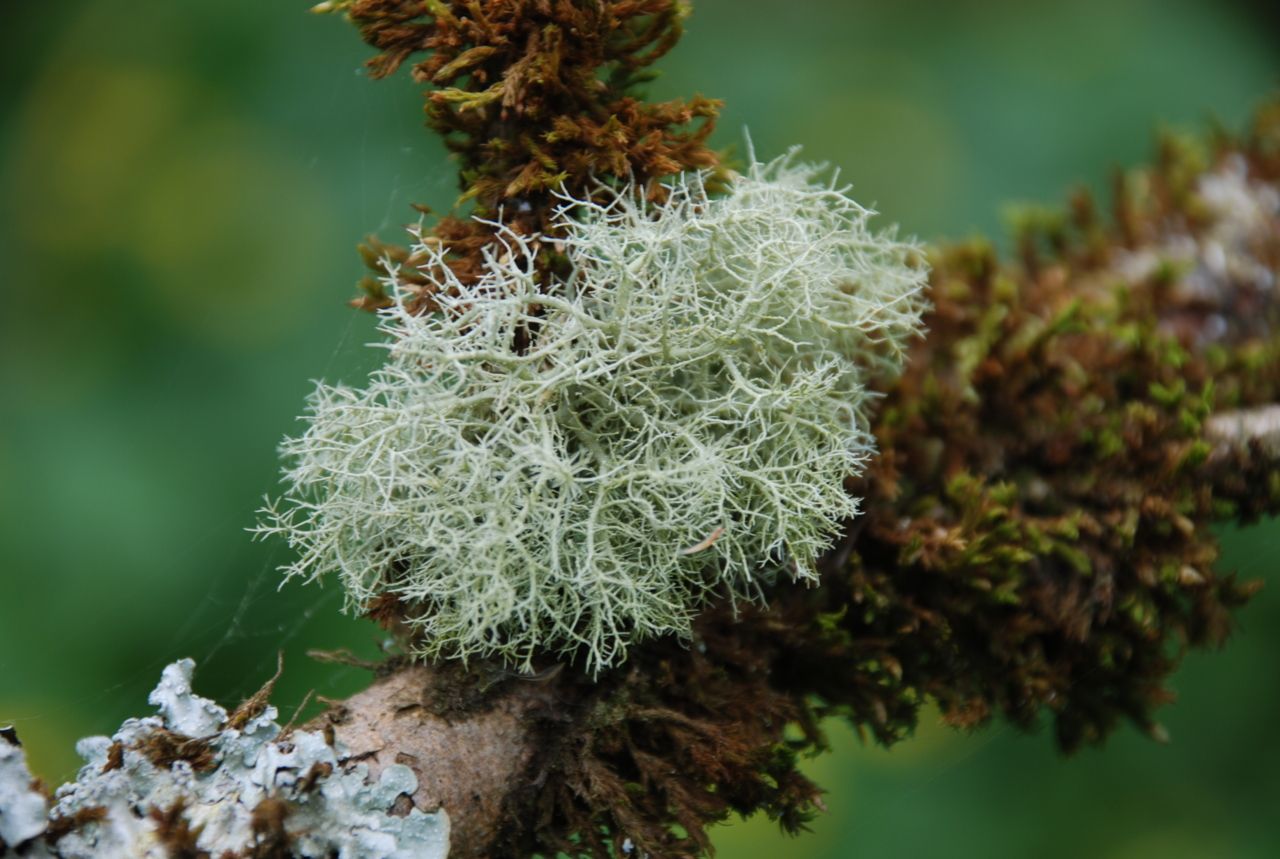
<point>680,424</point>
<point>194,780</point>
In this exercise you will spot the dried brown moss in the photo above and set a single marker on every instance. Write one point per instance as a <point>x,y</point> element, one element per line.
<point>175,833</point>
<point>164,748</point>
<point>533,96</point>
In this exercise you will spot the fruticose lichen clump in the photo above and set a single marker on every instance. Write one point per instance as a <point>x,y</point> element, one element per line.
<point>678,422</point>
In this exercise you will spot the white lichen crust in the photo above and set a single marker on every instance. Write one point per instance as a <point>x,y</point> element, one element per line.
<point>23,807</point>
<point>1223,266</point>
<point>681,423</point>
<point>329,807</point>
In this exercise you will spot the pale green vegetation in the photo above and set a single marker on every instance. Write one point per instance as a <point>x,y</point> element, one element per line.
<point>680,424</point>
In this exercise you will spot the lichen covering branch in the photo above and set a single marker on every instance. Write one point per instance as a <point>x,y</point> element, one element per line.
<point>679,426</point>
<point>196,781</point>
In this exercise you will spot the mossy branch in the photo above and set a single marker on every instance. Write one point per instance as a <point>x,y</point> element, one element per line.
<point>1037,535</point>
<point>1037,541</point>
<point>1037,538</point>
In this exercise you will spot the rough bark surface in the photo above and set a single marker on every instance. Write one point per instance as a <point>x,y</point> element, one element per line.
<point>465,765</point>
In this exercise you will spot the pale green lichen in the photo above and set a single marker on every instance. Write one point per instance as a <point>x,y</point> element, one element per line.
<point>680,425</point>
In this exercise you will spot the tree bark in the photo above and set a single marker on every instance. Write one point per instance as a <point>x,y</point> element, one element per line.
<point>466,766</point>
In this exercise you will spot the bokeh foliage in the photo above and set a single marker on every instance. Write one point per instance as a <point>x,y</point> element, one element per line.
<point>181,188</point>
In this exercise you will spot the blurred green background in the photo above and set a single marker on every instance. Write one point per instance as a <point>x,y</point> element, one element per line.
<point>181,188</point>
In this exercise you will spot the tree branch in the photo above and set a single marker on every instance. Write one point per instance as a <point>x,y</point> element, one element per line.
<point>1049,470</point>
<point>466,765</point>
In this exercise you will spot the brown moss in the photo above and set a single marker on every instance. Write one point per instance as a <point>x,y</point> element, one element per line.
<point>533,96</point>
<point>60,826</point>
<point>164,748</point>
<point>270,839</point>
<point>115,757</point>
<point>317,773</point>
<point>253,706</point>
<point>176,834</point>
